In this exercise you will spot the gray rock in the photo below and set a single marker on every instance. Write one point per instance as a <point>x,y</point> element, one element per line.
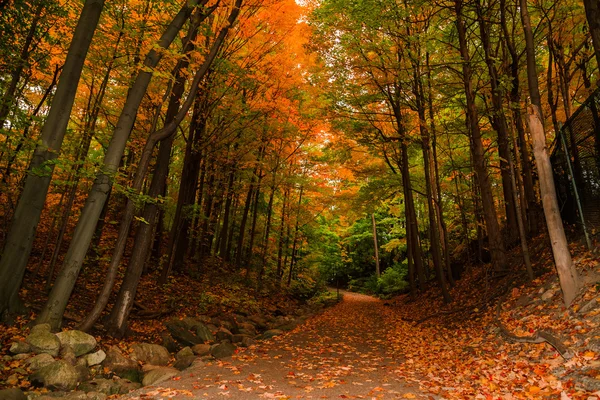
<point>184,362</point>
<point>548,294</point>
<point>94,358</point>
<point>271,333</point>
<point>101,385</point>
<point>182,334</point>
<point>185,352</point>
<point>201,349</point>
<point>42,341</point>
<point>150,354</point>
<point>68,354</point>
<point>247,341</point>
<point>158,375</point>
<point>59,376</point>
<point>12,394</point>
<point>39,361</point>
<point>259,321</point>
<point>248,327</point>
<point>204,333</point>
<point>222,350</point>
<point>20,347</point>
<point>122,366</point>
<point>22,356</point>
<point>76,395</point>
<point>40,328</point>
<point>586,308</point>
<point>79,341</point>
<point>126,386</point>
<point>168,342</point>
<point>238,338</point>
<point>223,334</point>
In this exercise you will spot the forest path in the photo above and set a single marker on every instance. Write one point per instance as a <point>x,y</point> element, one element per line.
<point>340,353</point>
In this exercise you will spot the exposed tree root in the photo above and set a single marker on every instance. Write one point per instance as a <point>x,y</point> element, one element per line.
<point>537,337</point>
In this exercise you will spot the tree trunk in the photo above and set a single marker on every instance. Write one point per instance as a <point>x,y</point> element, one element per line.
<point>477,150</point>
<point>567,274</point>
<point>61,292</point>
<point>500,125</point>
<point>376,247</point>
<point>31,203</point>
<point>592,13</point>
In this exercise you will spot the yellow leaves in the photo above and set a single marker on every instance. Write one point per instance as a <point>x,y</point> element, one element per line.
<point>534,389</point>
<point>409,396</point>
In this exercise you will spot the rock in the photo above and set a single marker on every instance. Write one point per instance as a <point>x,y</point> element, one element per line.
<point>12,394</point>
<point>259,321</point>
<point>42,341</point>
<point>126,386</point>
<point>83,373</point>
<point>79,341</point>
<point>94,358</point>
<point>20,347</point>
<point>248,327</point>
<point>40,328</point>
<point>247,341</point>
<point>190,323</point>
<point>201,349</point>
<point>548,294</point>
<point>22,356</point>
<point>106,386</point>
<point>159,375</point>
<point>185,352</point>
<point>150,354</point>
<point>68,354</point>
<point>586,308</point>
<point>238,338</point>
<point>182,334</point>
<point>271,333</point>
<point>39,361</point>
<point>122,366</point>
<point>222,350</point>
<point>223,334</point>
<point>76,395</point>
<point>204,333</point>
<point>57,376</point>
<point>168,342</point>
<point>184,362</point>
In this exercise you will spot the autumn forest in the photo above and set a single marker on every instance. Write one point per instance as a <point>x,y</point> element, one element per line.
<point>246,159</point>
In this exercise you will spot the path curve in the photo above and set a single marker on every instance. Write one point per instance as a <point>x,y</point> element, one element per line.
<point>340,353</point>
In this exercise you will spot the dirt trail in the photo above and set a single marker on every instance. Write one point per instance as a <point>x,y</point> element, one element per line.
<point>340,353</point>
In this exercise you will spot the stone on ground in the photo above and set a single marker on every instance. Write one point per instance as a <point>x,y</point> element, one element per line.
<point>94,358</point>
<point>158,375</point>
<point>59,375</point>
<point>20,347</point>
<point>222,350</point>
<point>184,362</point>
<point>150,354</point>
<point>271,333</point>
<point>181,333</point>
<point>101,385</point>
<point>122,366</point>
<point>79,341</point>
<point>201,349</point>
<point>39,361</point>
<point>42,341</point>
<point>12,394</point>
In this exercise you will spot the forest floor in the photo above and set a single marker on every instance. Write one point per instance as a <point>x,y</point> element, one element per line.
<point>369,348</point>
<point>340,353</point>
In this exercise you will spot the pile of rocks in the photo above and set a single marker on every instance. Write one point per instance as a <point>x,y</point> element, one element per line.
<point>69,361</point>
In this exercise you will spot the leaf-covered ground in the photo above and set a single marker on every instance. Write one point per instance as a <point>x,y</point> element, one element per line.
<point>404,348</point>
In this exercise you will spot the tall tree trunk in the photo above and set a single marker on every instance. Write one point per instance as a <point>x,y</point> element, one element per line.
<point>8,98</point>
<point>499,122</point>
<point>515,101</point>
<point>143,237</point>
<point>296,236</point>
<point>281,236</point>
<point>27,214</point>
<point>376,247</point>
<point>567,274</point>
<point>489,209</point>
<point>57,301</point>
<point>592,13</point>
